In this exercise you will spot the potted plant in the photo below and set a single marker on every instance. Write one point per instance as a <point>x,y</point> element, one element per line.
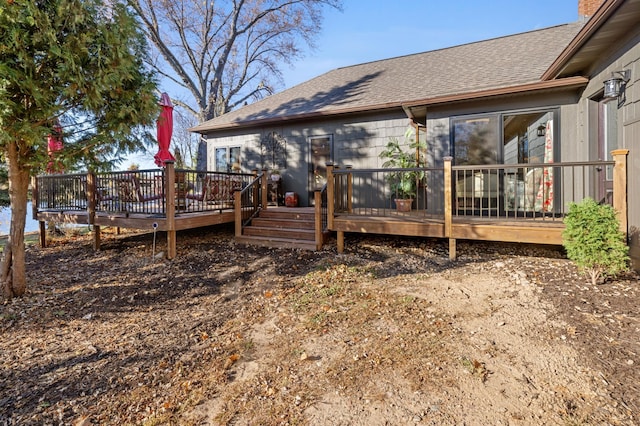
<point>403,182</point>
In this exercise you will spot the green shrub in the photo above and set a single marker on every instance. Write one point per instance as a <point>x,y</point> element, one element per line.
<point>593,240</point>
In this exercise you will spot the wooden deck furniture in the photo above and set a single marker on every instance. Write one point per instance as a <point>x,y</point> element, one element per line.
<point>216,189</point>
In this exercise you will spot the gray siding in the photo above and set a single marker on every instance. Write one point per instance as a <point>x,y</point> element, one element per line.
<point>626,57</point>
<point>357,141</point>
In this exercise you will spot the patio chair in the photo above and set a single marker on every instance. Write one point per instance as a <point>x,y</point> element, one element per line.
<point>151,191</point>
<point>205,191</point>
<point>216,190</point>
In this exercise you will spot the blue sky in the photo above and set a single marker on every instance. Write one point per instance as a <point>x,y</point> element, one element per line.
<point>368,30</point>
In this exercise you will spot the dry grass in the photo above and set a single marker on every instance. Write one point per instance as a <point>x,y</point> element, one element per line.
<point>340,333</point>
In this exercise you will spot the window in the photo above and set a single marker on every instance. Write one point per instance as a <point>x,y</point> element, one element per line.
<point>525,137</point>
<point>273,151</point>
<point>321,150</point>
<point>475,140</point>
<point>227,158</point>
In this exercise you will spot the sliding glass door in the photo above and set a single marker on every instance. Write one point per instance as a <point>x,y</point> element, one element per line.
<point>517,138</point>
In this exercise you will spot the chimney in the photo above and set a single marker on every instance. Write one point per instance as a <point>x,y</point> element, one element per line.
<point>586,8</point>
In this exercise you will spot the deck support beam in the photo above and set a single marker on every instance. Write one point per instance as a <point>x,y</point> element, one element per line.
<point>448,211</point>
<point>97,237</point>
<point>43,233</point>
<point>91,209</point>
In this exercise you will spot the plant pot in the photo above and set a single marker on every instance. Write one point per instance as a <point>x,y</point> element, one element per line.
<point>403,204</point>
<point>291,199</point>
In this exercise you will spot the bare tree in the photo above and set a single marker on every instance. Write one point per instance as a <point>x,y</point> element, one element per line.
<point>185,143</point>
<point>227,52</point>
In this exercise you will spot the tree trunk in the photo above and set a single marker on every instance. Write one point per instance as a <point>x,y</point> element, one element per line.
<point>12,269</point>
<point>201,159</point>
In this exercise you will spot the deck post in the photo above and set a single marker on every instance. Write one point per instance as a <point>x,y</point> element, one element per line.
<point>330,195</point>
<point>317,204</point>
<point>265,189</point>
<point>349,188</point>
<point>237,212</point>
<point>620,187</point>
<point>340,241</point>
<point>170,193</point>
<point>448,211</point>
<point>43,233</point>
<point>91,208</point>
<point>256,196</point>
<point>34,211</point>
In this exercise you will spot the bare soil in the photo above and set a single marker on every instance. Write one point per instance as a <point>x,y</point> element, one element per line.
<point>389,333</point>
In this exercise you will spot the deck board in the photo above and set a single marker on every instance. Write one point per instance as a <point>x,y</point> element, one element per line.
<point>523,230</point>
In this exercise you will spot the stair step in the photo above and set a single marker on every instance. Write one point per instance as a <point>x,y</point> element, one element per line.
<point>288,214</point>
<point>301,234</point>
<point>282,227</point>
<point>270,222</point>
<point>276,242</point>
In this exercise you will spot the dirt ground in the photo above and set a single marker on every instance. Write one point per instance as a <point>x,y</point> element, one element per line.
<point>389,333</point>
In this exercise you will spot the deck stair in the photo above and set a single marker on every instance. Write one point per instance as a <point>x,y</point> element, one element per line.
<point>282,227</point>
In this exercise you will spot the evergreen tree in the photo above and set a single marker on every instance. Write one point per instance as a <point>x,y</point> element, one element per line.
<point>78,62</point>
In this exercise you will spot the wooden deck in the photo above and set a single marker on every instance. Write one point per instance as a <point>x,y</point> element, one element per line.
<point>496,218</point>
<point>181,221</point>
<point>140,221</point>
<point>462,228</point>
<point>335,211</point>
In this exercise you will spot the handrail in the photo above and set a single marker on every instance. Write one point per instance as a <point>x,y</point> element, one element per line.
<point>320,226</point>
<point>247,203</point>
<point>498,191</point>
<point>137,191</point>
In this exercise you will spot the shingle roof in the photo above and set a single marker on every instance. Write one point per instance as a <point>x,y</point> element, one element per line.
<point>495,63</point>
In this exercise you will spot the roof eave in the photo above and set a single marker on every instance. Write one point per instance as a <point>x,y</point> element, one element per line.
<point>588,30</point>
<point>203,128</point>
<point>564,83</point>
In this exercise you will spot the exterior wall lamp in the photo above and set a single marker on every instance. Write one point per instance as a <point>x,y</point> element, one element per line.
<point>614,86</point>
<point>541,130</point>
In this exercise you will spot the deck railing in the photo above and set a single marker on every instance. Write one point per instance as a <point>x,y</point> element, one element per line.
<point>138,191</point>
<point>526,191</point>
<point>249,200</point>
<point>368,192</point>
<point>540,192</point>
<point>61,192</point>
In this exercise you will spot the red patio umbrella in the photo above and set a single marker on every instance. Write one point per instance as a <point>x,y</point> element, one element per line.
<point>54,145</point>
<point>165,130</point>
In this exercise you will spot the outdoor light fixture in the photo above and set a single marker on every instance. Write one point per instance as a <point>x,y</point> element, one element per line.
<point>541,130</point>
<point>614,86</point>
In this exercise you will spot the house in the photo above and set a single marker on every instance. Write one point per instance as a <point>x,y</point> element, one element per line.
<point>534,97</point>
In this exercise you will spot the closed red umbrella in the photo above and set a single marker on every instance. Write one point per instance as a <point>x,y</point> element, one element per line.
<point>54,145</point>
<point>165,131</point>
